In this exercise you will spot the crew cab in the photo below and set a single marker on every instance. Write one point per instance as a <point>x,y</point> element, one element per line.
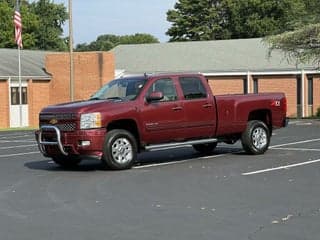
<point>133,114</point>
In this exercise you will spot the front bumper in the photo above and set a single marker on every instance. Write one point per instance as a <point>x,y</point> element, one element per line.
<point>51,141</point>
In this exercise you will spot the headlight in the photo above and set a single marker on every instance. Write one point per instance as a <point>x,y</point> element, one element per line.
<point>90,120</point>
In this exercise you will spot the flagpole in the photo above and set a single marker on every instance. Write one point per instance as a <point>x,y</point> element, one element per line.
<point>20,87</point>
<point>71,52</point>
<point>18,39</point>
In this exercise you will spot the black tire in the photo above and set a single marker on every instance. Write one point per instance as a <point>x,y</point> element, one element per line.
<point>67,161</point>
<point>256,138</point>
<point>119,150</point>
<point>205,148</point>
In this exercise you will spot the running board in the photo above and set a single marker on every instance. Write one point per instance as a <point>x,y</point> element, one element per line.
<point>179,144</point>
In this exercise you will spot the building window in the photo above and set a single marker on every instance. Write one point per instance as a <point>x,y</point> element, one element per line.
<point>15,95</point>
<point>245,86</point>
<point>255,85</point>
<point>310,90</point>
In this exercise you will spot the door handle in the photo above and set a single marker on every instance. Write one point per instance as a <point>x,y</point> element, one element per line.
<point>207,105</point>
<point>177,108</point>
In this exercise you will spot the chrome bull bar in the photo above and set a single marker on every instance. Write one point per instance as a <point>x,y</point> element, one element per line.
<point>42,144</point>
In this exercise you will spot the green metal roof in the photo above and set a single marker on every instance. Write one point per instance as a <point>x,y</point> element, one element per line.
<point>202,56</point>
<point>32,64</point>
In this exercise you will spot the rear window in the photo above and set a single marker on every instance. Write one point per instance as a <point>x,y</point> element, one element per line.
<point>192,88</point>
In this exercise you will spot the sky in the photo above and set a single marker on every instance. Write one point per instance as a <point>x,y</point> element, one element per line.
<point>120,17</point>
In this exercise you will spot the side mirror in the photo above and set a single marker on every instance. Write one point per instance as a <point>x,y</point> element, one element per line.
<point>154,96</point>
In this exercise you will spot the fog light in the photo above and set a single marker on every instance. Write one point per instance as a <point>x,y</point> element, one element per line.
<point>84,143</point>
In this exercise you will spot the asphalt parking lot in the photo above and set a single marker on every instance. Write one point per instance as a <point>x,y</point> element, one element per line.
<point>175,194</point>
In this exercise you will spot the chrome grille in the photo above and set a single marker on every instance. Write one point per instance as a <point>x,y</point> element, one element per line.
<point>64,127</point>
<point>66,122</point>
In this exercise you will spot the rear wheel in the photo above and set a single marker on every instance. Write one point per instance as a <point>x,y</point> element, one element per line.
<point>119,150</point>
<point>205,147</point>
<point>67,161</point>
<point>256,138</point>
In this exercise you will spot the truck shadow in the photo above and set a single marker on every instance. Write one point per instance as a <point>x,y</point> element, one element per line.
<point>144,159</point>
<point>49,165</point>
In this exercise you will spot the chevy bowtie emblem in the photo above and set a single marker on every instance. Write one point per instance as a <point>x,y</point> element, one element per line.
<point>53,121</point>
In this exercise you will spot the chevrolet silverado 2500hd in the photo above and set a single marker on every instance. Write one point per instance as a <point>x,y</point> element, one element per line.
<point>133,114</point>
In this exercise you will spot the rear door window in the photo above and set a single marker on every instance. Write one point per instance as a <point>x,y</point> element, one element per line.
<point>192,88</point>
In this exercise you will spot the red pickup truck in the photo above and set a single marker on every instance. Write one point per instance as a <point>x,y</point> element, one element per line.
<point>133,114</point>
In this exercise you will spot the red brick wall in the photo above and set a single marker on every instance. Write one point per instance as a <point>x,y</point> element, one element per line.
<point>4,104</point>
<point>91,71</point>
<point>38,98</point>
<point>226,85</point>
<point>286,84</point>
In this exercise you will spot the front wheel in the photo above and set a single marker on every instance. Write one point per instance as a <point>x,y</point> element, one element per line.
<point>119,150</point>
<point>256,138</point>
<point>70,161</point>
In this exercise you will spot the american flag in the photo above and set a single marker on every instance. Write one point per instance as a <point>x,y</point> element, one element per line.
<point>18,27</point>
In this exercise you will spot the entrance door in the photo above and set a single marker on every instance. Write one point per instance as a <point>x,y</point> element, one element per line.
<point>17,114</point>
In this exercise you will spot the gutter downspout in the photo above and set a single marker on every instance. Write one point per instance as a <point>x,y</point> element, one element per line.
<point>248,81</point>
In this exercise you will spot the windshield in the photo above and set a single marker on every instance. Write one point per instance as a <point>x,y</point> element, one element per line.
<point>122,89</point>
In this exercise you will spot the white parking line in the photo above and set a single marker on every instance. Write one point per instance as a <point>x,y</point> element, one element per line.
<point>281,167</point>
<point>293,143</point>
<point>297,149</point>
<point>181,161</point>
<point>16,141</point>
<point>281,147</point>
<point>18,154</point>
<point>160,164</point>
<point>19,146</point>
<point>16,136</point>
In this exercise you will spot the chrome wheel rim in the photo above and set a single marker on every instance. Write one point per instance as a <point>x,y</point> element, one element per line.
<point>259,138</point>
<point>121,150</point>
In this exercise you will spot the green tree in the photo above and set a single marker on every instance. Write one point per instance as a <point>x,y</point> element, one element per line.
<point>198,20</point>
<point>301,45</point>
<point>225,19</point>
<point>6,35</point>
<point>29,21</point>
<point>42,23</point>
<point>52,17</point>
<point>109,41</point>
<point>259,18</point>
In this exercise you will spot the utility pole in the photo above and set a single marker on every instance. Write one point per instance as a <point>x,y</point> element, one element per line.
<point>71,52</point>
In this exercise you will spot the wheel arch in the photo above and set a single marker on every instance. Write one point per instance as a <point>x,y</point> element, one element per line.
<point>263,115</point>
<point>129,125</point>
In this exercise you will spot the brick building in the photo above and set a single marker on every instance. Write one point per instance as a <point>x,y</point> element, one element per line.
<point>232,66</point>
<point>45,81</point>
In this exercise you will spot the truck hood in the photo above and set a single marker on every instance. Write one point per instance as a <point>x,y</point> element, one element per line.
<point>82,106</point>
